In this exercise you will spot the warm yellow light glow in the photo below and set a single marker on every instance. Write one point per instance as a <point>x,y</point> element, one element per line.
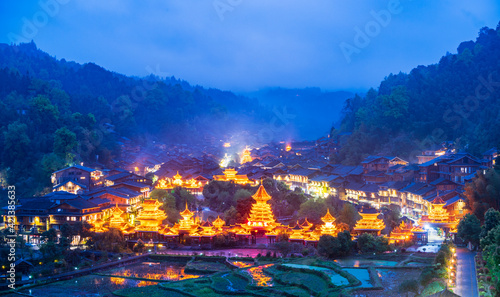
<point>150,217</point>
<point>261,216</point>
<point>369,222</point>
<point>246,156</point>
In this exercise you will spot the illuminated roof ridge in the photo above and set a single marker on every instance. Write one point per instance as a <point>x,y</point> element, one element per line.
<point>261,194</point>
<point>328,218</point>
<point>186,212</point>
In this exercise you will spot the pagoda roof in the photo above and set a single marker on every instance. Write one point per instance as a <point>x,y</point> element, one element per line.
<point>206,224</point>
<point>438,200</point>
<point>186,212</point>
<point>218,221</point>
<point>261,194</point>
<point>328,217</point>
<point>297,226</point>
<point>306,223</point>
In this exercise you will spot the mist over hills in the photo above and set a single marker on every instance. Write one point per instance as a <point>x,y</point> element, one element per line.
<point>315,111</point>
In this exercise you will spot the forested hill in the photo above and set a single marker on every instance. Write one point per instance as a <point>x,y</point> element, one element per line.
<point>54,112</point>
<point>454,100</point>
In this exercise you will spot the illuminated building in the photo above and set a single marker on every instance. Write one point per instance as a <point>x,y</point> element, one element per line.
<point>226,144</point>
<point>261,216</point>
<point>297,233</point>
<point>192,185</point>
<point>306,225</point>
<point>439,217</point>
<point>288,148</point>
<point>401,233</point>
<point>187,224</point>
<point>329,227</point>
<point>116,220</point>
<point>98,226</point>
<point>150,217</point>
<point>437,213</point>
<point>207,229</point>
<point>246,156</point>
<point>420,236</point>
<point>230,174</point>
<point>369,222</point>
<point>218,223</point>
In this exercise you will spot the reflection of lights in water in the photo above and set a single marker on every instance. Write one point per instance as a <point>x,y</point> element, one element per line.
<point>169,273</point>
<point>146,283</point>
<point>259,277</point>
<point>241,264</point>
<point>118,280</point>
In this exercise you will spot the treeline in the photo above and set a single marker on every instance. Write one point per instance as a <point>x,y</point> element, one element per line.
<point>454,100</point>
<point>54,113</point>
<point>40,132</point>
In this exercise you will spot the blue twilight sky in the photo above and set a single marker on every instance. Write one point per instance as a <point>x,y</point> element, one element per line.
<point>245,45</point>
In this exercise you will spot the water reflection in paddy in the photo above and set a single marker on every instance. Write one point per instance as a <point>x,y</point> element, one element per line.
<point>363,262</point>
<point>241,264</point>
<point>88,285</point>
<point>259,277</point>
<point>153,271</point>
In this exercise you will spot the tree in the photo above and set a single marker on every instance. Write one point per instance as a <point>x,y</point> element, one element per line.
<point>295,198</point>
<point>159,194</point>
<point>409,285</point>
<point>242,194</point>
<point>368,243</point>
<point>282,236</point>
<point>334,247</point>
<point>284,247</point>
<point>349,215</point>
<point>483,192</point>
<point>49,235</point>
<point>491,220</point>
<point>469,229</point>
<point>231,216</point>
<point>313,210</point>
<point>64,142</point>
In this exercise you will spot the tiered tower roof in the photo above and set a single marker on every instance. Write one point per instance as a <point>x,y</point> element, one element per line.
<point>328,228</point>
<point>369,221</point>
<point>437,212</point>
<point>261,215</point>
<point>150,217</point>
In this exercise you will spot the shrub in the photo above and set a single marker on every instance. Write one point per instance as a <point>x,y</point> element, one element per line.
<point>409,285</point>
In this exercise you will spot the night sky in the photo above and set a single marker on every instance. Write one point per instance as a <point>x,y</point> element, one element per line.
<point>245,45</point>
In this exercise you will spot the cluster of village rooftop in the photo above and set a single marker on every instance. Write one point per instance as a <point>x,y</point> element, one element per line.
<point>431,188</point>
